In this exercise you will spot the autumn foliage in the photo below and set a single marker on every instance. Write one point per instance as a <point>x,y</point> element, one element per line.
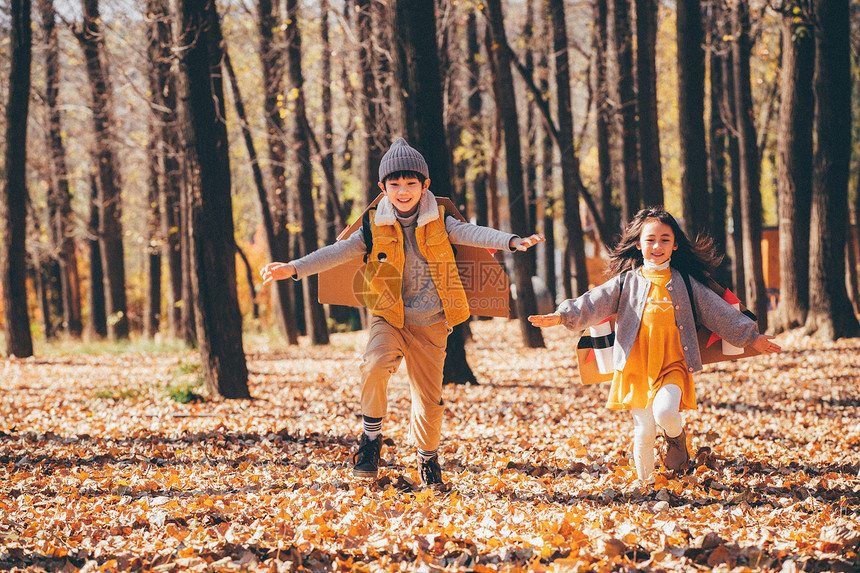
<point>101,470</point>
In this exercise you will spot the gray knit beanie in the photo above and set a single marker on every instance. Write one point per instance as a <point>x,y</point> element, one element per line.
<point>401,157</point>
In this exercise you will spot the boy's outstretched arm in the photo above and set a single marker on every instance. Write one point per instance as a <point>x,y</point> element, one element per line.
<point>523,244</point>
<point>277,271</point>
<point>764,345</point>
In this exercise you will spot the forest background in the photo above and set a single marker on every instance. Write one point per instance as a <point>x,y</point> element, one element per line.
<point>139,197</point>
<point>128,195</point>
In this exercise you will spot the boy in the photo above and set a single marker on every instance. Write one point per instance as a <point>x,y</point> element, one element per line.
<point>414,295</point>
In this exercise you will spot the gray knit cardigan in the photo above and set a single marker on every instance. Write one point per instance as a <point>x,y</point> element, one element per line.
<point>607,299</point>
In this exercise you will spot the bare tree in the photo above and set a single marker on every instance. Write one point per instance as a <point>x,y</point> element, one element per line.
<point>13,197</point>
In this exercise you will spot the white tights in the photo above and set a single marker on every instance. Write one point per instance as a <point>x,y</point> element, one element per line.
<point>663,412</point>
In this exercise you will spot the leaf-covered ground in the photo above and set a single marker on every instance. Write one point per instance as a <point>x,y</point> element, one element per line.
<point>101,470</point>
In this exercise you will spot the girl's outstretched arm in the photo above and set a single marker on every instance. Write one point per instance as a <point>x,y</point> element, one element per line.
<point>545,320</point>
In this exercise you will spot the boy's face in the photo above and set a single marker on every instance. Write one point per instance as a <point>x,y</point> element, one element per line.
<point>404,193</point>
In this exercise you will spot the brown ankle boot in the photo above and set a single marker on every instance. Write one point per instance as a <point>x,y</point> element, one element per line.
<point>676,454</point>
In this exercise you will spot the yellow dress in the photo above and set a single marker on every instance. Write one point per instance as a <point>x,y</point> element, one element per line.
<point>656,357</point>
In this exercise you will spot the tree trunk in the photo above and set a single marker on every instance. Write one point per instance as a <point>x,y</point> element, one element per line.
<point>249,276</point>
<point>152,313</point>
<point>333,206</point>
<point>163,109</point>
<point>646,81</point>
<point>157,150</point>
<point>371,148</point>
<point>526,303</point>
<point>13,198</point>
<point>853,246</point>
<point>756,298</point>
<point>717,139</point>
<point>61,223</point>
<point>40,278</point>
<point>609,213</point>
<point>97,303</point>
<point>315,318</point>
<point>797,107</point>
<point>275,211</point>
<point>493,219</point>
<point>418,81</point>
<point>213,260</point>
<point>479,184</point>
<point>621,88</point>
<point>734,162</point>
<point>548,196</point>
<point>574,250</point>
<point>831,314</point>
<point>353,101</point>
<point>691,118</point>
<point>189,319</point>
<point>530,151</point>
<point>92,42</point>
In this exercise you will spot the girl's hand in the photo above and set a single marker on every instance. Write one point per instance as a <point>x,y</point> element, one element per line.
<point>764,345</point>
<point>276,272</point>
<point>521,244</point>
<point>545,320</point>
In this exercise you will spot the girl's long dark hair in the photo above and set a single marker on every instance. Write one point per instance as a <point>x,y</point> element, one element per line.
<point>698,258</point>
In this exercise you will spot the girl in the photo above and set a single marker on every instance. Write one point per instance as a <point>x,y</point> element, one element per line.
<point>655,350</point>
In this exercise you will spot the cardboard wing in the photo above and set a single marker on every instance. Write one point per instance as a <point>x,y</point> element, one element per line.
<point>484,279</point>
<point>710,345</point>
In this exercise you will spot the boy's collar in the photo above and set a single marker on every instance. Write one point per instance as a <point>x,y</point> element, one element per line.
<point>428,211</point>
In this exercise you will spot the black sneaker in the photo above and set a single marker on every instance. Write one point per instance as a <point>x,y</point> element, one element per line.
<point>431,473</point>
<point>366,459</point>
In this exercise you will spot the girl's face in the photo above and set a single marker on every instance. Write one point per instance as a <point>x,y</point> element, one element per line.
<point>405,193</point>
<point>656,241</point>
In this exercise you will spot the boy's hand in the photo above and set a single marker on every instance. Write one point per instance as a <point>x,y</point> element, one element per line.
<point>545,320</point>
<point>276,272</point>
<point>764,345</point>
<point>520,244</point>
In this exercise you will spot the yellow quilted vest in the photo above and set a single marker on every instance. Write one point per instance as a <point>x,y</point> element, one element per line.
<point>384,271</point>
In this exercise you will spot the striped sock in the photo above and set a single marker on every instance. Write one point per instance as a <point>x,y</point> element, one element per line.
<point>372,427</point>
<point>425,455</point>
